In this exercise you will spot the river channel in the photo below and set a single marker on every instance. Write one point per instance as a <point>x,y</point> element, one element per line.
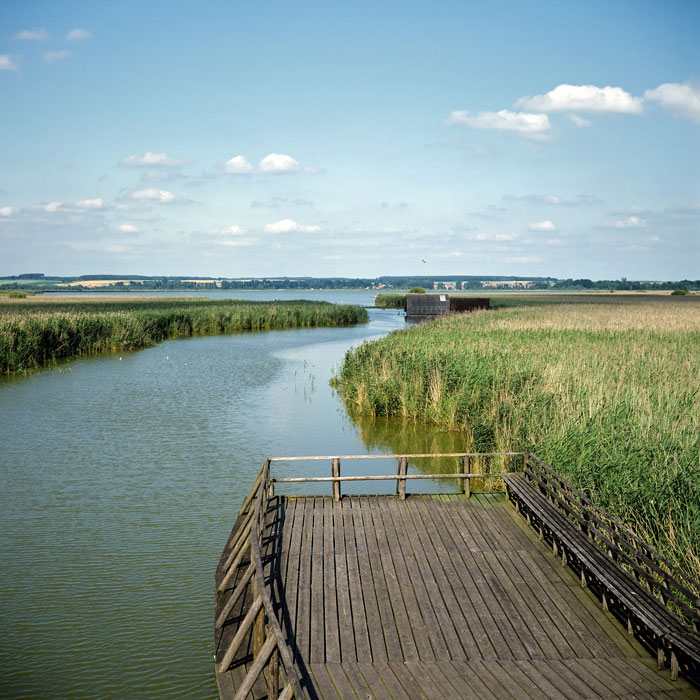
<point>120,478</point>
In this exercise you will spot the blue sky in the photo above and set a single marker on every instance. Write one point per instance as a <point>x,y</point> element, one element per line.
<point>351,139</point>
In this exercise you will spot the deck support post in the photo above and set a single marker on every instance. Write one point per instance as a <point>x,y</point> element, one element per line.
<point>273,683</point>
<point>466,469</point>
<point>401,483</point>
<point>259,624</point>
<point>660,658</point>
<point>674,666</point>
<point>335,471</point>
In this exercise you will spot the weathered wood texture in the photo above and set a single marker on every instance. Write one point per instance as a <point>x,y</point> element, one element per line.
<point>657,602</point>
<point>435,597</point>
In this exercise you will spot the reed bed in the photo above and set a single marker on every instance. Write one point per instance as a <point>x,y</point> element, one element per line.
<point>35,333</point>
<point>609,395</point>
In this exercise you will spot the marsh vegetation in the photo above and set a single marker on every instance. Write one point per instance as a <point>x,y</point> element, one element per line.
<point>36,332</point>
<point>608,394</point>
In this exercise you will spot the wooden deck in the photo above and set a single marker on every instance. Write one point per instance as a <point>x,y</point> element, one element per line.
<point>441,597</point>
<point>427,596</point>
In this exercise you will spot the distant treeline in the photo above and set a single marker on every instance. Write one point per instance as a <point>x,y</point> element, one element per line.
<point>38,282</point>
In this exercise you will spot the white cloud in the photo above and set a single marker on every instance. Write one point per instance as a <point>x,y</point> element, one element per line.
<point>32,35</point>
<point>289,225</point>
<point>630,222</point>
<point>6,211</point>
<point>237,242</point>
<point>524,259</point>
<point>115,249</point>
<point>129,228</point>
<point>77,34</point>
<point>53,56</point>
<point>506,236</point>
<point>238,165</point>
<point>482,236</point>
<point>7,62</point>
<point>583,98</point>
<point>278,163</point>
<point>229,231</point>
<point>542,226</point>
<point>152,194</point>
<point>580,122</point>
<point>51,206</point>
<point>153,160</point>
<point>532,125</point>
<point>96,203</point>
<point>681,99</point>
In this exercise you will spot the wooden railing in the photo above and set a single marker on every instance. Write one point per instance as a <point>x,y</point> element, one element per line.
<point>402,475</point>
<point>653,571</point>
<point>269,645</point>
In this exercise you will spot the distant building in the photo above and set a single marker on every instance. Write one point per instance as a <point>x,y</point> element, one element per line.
<point>431,305</point>
<point>513,284</point>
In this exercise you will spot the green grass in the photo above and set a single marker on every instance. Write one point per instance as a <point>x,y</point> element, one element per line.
<point>35,333</point>
<point>607,394</point>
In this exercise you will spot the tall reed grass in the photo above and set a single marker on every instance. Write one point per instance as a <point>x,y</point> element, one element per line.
<point>34,333</point>
<point>609,395</point>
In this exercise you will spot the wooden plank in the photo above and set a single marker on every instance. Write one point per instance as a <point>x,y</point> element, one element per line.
<point>492,644</point>
<point>445,575</point>
<point>473,561</point>
<point>381,674</point>
<point>451,621</point>
<point>433,681</point>
<point>324,686</point>
<point>467,684</point>
<point>537,673</point>
<point>317,652</point>
<point>291,579</point>
<point>545,598</point>
<point>575,685</point>
<point>360,684</point>
<point>359,618</point>
<point>277,590</point>
<point>542,640</point>
<point>422,688</point>
<point>414,613</point>
<point>507,674</point>
<point>345,616</point>
<point>341,683</point>
<point>367,583</point>
<point>423,585</point>
<point>381,587</point>
<point>380,551</point>
<point>303,618</point>
<point>330,599</point>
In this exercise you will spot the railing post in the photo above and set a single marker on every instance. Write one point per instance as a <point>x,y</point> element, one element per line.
<point>401,483</point>
<point>259,624</point>
<point>273,667</point>
<point>335,471</point>
<point>524,461</point>
<point>467,483</point>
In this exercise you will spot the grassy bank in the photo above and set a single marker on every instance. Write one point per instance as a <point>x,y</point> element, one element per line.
<point>608,394</point>
<point>34,333</point>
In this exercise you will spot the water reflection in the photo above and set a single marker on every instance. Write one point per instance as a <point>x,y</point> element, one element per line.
<point>406,436</point>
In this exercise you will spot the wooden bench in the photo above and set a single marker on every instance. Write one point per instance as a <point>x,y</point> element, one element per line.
<point>624,576</point>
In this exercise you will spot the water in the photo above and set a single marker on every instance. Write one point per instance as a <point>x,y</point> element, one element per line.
<point>120,478</point>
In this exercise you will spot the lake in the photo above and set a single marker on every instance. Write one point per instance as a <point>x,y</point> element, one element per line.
<point>121,476</point>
